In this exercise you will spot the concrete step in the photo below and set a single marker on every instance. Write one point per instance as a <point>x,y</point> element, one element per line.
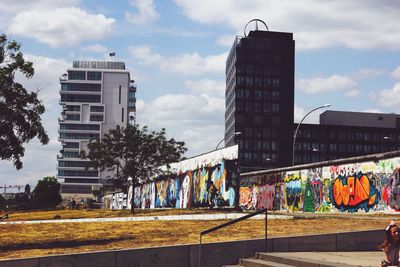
<point>262,263</point>
<point>298,262</point>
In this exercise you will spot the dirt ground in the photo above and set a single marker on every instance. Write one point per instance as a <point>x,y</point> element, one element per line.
<point>29,240</point>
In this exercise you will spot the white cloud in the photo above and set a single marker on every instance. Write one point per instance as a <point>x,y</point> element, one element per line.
<point>396,73</point>
<point>187,64</point>
<point>207,86</point>
<point>315,24</point>
<point>12,6</point>
<point>329,84</point>
<point>372,110</point>
<point>367,74</point>
<point>312,118</point>
<point>225,40</point>
<point>47,72</point>
<point>388,97</point>
<point>196,119</point>
<point>46,78</point>
<point>146,12</point>
<point>60,26</point>
<point>98,48</point>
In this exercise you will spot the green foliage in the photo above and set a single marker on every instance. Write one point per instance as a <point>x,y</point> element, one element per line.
<point>134,152</point>
<point>47,192</point>
<point>20,110</point>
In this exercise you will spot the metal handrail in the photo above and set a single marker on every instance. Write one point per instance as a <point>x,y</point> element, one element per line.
<point>233,222</point>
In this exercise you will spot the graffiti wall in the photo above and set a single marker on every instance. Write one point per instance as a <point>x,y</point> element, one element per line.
<point>209,179</point>
<point>364,186</point>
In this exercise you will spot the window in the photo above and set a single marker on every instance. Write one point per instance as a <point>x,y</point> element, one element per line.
<point>131,104</point>
<point>131,95</point>
<point>88,127</point>
<point>94,75</point>
<point>333,147</point>
<point>73,108</point>
<point>73,117</point>
<point>79,180</point>
<point>81,87</point>
<point>80,98</point>
<point>76,75</point>
<point>122,115</point>
<point>380,118</point>
<point>96,109</point>
<point>78,173</point>
<point>274,145</point>
<point>75,164</point>
<point>275,95</point>
<point>96,118</point>
<point>71,145</point>
<point>79,136</point>
<point>70,154</point>
<point>119,95</point>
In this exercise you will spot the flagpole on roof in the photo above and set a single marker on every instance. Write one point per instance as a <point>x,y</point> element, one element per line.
<point>112,55</point>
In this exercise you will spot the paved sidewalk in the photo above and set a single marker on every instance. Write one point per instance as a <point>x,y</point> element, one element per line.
<point>355,258</point>
<point>194,217</point>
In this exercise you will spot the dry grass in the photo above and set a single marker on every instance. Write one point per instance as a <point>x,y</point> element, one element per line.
<point>26,240</point>
<point>99,213</point>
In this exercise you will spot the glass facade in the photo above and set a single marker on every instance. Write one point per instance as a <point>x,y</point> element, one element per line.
<point>88,127</point>
<point>78,173</point>
<point>76,75</point>
<point>94,75</point>
<point>260,98</point>
<point>81,87</point>
<point>96,118</point>
<point>96,109</point>
<point>79,136</point>
<point>81,98</point>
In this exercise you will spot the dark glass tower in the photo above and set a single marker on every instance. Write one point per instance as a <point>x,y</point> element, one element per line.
<point>260,99</point>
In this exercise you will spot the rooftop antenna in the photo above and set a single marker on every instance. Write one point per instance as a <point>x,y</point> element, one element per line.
<point>256,21</point>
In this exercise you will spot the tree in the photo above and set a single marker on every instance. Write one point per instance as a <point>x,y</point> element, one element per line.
<point>133,152</point>
<point>3,203</point>
<point>47,192</point>
<point>20,110</point>
<point>27,189</point>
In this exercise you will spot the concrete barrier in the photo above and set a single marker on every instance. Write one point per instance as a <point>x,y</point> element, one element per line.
<point>213,254</point>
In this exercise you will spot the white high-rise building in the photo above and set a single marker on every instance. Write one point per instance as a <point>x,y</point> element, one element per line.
<point>96,96</point>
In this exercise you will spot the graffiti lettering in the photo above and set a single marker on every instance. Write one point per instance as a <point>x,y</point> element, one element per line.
<point>351,193</point>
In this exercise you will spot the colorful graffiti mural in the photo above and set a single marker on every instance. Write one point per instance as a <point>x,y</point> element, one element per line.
<point>365,186</point>
<point>353,193</point>
<point>359,186</point>
<point>189,184</point>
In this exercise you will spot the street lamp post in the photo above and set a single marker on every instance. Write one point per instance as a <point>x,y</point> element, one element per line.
<point>236,134</point>
<point>298,126</point>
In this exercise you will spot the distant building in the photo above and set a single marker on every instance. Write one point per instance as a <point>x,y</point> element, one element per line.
<point>96,96</point>
<point>343,134</point>
<point>259,114</point>
<point>259,98</point>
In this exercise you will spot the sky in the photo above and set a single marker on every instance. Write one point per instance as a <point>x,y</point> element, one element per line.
<point>347,55</point>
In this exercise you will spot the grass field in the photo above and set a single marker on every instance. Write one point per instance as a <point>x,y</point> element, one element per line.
<point>26,240</point>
